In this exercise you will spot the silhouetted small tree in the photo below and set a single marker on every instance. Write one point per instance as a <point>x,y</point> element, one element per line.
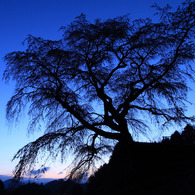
<point>100,81</point>
<point>176,138</point>
<point>188,135</point>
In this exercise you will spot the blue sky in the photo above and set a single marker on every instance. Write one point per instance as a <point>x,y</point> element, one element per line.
<point>43,18</point>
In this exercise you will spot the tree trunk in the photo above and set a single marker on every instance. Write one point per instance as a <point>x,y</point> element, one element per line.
<point>126,137</point>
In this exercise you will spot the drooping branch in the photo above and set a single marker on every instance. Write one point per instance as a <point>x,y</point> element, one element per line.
<point>64,139</point>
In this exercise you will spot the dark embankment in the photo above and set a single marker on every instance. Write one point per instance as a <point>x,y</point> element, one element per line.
<point>147,168</point>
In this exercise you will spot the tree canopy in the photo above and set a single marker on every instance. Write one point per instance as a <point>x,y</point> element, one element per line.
<point>102,81</point>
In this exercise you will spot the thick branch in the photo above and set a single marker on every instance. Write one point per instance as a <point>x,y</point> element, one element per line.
<point>137,92</point>
<point>93,126</point>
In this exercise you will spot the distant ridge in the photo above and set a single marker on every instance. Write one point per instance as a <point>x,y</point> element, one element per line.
<point>5,178</point>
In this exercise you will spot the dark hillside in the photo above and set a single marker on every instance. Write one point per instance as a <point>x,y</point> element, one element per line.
<point>61,187</point>
<point>147,168</point>
<point>30,189</point>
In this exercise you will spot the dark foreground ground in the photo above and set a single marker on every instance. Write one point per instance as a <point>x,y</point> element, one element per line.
<point>139,168</point>
<point>147,168</point>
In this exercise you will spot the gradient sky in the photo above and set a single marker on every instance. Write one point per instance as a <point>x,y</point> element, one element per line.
<point>43,18</point>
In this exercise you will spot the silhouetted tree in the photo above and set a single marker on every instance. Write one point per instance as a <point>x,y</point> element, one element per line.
<point>94,84</point>
<point>176,138</point>
<point>188,135</point>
